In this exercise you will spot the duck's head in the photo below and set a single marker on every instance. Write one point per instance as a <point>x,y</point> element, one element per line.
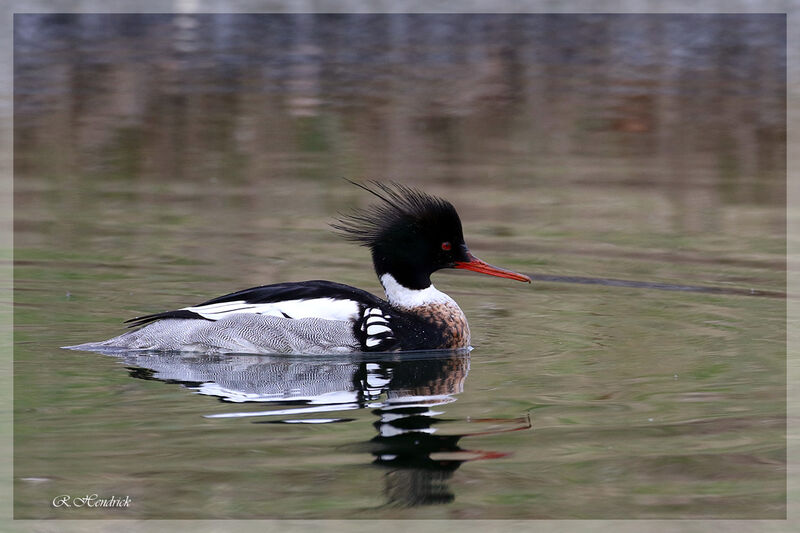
<point>412,235</point>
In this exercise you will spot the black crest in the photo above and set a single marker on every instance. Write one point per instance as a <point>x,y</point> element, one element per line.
<point>401,207</point>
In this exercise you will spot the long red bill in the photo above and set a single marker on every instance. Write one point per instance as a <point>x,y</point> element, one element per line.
<point>476,265</point>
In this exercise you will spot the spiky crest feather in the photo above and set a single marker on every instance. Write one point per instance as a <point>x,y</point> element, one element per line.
<point>401,206</point>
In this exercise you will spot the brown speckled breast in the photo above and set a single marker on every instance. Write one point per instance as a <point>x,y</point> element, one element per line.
<point>449,319</point>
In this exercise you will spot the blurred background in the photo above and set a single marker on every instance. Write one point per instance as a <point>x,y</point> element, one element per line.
<point>454,98</point>
<point>164,159</point>
<point>666,125</point>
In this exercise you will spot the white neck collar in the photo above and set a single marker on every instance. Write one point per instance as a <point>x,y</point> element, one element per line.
<point>406,298</point>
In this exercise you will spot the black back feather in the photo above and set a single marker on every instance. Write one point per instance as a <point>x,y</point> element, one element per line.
<point>401,206</point>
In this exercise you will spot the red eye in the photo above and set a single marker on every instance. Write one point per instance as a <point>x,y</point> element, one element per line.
<point>446,246</point>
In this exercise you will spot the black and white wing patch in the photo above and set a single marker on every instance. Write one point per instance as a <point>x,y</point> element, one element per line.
<point>310,299</point>
<point>326,308</point>
<point>378,334</point>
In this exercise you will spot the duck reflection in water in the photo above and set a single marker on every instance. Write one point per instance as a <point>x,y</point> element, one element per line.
<point>406,393</point>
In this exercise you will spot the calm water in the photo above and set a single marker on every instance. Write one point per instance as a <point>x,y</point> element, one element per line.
<point>163,160</point>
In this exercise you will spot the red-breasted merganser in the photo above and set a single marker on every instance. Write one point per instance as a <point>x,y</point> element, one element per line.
<point>411,235</point>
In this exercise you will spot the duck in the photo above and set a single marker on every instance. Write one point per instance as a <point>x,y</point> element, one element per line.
<point>410,235</point>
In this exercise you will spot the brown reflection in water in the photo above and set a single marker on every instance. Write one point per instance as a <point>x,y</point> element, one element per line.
<point>499,98</point>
